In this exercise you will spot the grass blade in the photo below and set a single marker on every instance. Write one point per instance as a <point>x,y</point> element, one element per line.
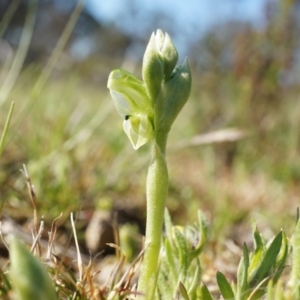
<point>59,47</point>
<point>8,16</point>
<point>4,133</point>
<point>17,64</point>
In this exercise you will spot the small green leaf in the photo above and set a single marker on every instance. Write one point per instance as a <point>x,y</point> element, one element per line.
<point>29,277</point>
<point>280,291</point>
<point>183,252</point>
<point>281,258</point>
<point>171,262</point>
<point>205,294</point>
<point>268,261</point>
<point>294,282</point>
<point>183,291</point>
<point>242,276</point>
<point>295,273</point>
<point>6,286</point>
<point>164,284</point>
<point>196,280</point>
<point>276,291</point>
<point>202,236</point>
<point>168,225</point>
<point>224,287</point>
<point>257,257</point>
<point>270,291</point>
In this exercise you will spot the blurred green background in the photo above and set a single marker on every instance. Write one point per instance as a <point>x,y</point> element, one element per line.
<point>233,152</point>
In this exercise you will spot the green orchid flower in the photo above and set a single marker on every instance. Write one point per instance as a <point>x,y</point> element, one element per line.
<point>130,98</point>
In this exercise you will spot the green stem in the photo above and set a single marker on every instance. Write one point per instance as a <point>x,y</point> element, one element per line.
<point>157,189</point>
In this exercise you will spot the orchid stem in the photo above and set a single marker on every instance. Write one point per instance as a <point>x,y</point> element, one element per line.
<point>157,189</point>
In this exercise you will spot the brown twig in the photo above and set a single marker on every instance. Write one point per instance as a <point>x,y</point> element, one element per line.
<point>52,235</point>
<point>32,196</point>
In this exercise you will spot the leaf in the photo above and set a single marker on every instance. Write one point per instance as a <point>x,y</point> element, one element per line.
<point>202,231</point>
<point>168,223</point>
<point>258,255</point>
<point>270,290</point>
<point>171,262</point>
<point>205,294</point>
<point>224,287</point>
<point>196,280</point>
<point>165,287</point>
<point>269,260</point>
<point>295,274</point>
<point>242,276</point>
<point>183,253</point>
<point>274,291</point>
<point>6,286</point>
<point>279,291</point>
<point>183,291</point>
<point>29,277</point>
<point>169,231</point>
<point>282,257</point>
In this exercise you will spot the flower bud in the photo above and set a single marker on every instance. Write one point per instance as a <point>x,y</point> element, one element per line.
<point>160,59</point>
<point>29,278</point>
<point>170,56</point>
<point>153,69</point>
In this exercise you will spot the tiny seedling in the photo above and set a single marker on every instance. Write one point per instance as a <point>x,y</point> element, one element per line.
<point>149,107</point>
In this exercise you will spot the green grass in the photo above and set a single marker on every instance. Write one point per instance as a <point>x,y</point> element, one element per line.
<point>77,150</point>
